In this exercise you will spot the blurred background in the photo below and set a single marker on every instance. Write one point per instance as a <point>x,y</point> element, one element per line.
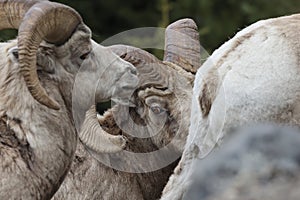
<point>217,20</point>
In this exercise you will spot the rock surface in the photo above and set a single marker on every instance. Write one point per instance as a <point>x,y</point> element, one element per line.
<point>257,163</point>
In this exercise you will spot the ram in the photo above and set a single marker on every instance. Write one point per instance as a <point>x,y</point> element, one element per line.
<point>37,72</point>
<point>156,127</point>
<point>253,78</point>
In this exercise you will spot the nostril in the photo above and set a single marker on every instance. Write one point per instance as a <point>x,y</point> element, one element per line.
<point>133,71</point>
<point>16,53</point>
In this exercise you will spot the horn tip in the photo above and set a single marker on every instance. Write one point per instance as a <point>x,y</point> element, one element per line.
<point>52,104</point>
<point>182,23</point>
<point>182,46</point>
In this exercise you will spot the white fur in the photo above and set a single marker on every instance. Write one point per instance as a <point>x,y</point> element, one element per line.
<point>254,78</point>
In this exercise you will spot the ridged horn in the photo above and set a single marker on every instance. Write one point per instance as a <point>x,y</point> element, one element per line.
<point>37,21</point>
<point>13,12</point>
<point>96,139</point>
<point>182,46</point>
<point>151,71</point>
<point>52,22</point>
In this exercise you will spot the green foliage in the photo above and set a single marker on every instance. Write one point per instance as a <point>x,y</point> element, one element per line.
<point>107,18</point>
<point>218,20</point>
<point>6,35</point>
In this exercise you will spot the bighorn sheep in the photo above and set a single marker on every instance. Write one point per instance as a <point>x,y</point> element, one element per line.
<point>253,78</point>
<point>260,162</point>
<point>158,121</point>
<point>37,72</point>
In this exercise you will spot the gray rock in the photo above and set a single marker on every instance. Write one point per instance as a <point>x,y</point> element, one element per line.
<point>256,164</point>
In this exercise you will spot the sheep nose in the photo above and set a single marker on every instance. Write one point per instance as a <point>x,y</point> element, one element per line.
<point>132,70</point>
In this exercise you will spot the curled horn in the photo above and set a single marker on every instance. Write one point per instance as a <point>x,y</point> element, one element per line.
<point>37,21</point>
<point>13,12</point>
<point>134,55</point>
<point>96,139</point>
<point>182,46</point>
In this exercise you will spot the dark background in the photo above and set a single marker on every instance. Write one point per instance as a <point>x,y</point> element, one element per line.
<point>217,20</point>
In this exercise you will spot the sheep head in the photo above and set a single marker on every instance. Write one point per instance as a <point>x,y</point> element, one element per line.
<point>165,87</point>
<point>164,91</point>
<point>162,98</point>
<point>54,43</point>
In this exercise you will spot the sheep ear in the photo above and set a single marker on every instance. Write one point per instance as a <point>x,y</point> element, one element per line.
<point>182,46</point>
<point>14,54</point>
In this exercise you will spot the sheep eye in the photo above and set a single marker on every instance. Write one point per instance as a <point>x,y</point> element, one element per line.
<point>84,56</point>
<point>157,110</point>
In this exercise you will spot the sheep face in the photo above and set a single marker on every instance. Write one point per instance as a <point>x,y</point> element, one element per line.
<point>163,91</point>
<point>162,110</point>
<point>81,54</point>
<point>157,125</point>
